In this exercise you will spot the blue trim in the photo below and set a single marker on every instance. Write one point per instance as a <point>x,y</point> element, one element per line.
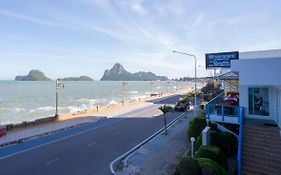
<point>5,151</point>
<point>239,156</point>
<point>239,112</point>
<point>223,111</point>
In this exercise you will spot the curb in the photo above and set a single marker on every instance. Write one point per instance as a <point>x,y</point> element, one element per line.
<point>121,158</point>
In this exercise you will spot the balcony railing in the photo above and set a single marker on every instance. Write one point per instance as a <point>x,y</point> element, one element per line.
<point>223,113</point>
<point>228,114</point>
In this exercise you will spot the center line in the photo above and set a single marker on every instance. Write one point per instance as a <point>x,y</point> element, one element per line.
<point>52,161</point>
<point>91,144</point>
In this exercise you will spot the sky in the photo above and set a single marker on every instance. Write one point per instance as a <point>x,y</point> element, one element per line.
<point>84,37</point>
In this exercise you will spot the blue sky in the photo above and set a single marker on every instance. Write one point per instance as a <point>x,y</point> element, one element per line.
<point>72,38</point>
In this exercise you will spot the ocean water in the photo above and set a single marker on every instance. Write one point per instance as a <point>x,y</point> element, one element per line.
<point>26,101</point>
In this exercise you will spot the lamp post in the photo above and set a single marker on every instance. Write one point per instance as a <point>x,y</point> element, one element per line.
<point>168,82</point>
<point>123,84</point>
<point>151,83</point>
<point>195,77</point>
<point>58,87</point>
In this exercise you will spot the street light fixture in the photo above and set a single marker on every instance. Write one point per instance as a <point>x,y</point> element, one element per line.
<point>195,77</point>
<point>58,87</point>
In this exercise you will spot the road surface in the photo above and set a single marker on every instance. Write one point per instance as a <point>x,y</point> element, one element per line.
<point>91,151</point>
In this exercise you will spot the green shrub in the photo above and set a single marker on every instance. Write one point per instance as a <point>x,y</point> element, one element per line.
<point>196,125</point>
<point>187,166</point>
<point>214,136</point>
<point>228,143</point>
<point>224,140</point>
<point>214,153</point>
<point>203,105</point>
<point>183,100</point>
<point>210,167</point>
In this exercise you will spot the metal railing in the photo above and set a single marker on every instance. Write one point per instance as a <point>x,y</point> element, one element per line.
<point>113,164</point>
<point>223,111</point>
<point>229,111</point>
<point>217,99</point>
<point>239,156</point>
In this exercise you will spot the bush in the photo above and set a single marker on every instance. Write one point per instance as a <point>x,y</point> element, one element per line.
<point>187,166</point>
<point>183,100</point>
<point>196,125</point>
<point>215,136</point>
<point>210,167</point>
<point>224,140</point>
<point>228,143</point>
<point>214,153</point>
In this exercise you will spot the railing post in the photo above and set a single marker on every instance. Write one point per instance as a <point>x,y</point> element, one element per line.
<point>208,111</point>
<point>222,112</point>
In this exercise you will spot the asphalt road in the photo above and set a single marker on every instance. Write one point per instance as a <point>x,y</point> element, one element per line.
<point>89,152</point>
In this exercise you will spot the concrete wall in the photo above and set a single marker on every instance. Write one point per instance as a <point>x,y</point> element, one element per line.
<point>262,72</point>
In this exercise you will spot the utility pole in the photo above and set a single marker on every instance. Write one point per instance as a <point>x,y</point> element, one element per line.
<point>58,87</point>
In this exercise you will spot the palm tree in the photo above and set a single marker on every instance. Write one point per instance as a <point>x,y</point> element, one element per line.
<point>165,109</point>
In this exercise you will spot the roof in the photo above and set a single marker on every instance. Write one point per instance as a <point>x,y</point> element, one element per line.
<point>232,75</point>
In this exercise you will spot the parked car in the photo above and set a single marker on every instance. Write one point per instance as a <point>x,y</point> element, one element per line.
<point>182,106</point>
<point>2,130</point>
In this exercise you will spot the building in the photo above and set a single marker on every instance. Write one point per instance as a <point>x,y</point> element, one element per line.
<point>258,113</point>
<point>260,84</point>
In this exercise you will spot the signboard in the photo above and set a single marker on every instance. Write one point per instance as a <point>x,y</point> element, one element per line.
<point>220,60</point>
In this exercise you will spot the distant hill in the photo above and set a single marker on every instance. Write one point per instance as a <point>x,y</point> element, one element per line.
<point>119,73</point>
<point>33,75</point>
<point>81,78</point>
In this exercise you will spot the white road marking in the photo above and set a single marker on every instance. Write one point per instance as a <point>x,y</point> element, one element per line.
<point>52,161</point>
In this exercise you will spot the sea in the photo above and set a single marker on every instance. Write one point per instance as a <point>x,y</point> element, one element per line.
<point>29,100</point>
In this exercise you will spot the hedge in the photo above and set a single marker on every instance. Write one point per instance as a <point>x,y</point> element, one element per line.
<point>210,167</point>
<point>228,143</point>
<point>188,166</point>
<point>196,125</point>
<point>214,153</point>
<point>224,140</point>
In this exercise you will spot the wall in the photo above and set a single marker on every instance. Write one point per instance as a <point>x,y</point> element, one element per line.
<point>264,72</point>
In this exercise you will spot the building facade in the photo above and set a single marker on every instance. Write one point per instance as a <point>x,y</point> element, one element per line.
<point>260,84</point>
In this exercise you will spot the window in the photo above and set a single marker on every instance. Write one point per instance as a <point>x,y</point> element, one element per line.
<point>258,101</point>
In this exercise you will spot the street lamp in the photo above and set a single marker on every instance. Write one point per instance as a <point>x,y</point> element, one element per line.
<point>123,85</point>
<point>195,81</point>
<point>151,83</point>
<point>58,87</point>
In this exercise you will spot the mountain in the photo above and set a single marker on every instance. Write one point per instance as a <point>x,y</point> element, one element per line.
<point>81,78</point>
<point>119,73</point>
<point>33,75</point>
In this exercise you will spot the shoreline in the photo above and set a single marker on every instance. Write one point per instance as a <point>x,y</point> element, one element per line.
<point>30,130</point>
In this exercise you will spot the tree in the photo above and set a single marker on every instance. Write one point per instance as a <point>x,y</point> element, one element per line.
<point>165,109</point>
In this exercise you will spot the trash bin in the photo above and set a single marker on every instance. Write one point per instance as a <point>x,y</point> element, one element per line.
<point>2,130</point>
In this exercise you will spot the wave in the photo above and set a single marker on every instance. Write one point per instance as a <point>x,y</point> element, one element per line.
<point>86,100</point>
<point>133,92</point>
<point>139,97</point>
<point>112,102</point>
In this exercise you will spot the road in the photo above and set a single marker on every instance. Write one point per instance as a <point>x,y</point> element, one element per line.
<point>88,152</point>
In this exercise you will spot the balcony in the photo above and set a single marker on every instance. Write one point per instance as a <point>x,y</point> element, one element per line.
<point>224,113</point>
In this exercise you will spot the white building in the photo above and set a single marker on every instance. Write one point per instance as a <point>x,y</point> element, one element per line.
<point>260,84</point>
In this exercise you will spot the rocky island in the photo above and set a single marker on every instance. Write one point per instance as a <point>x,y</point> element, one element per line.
<point>33,75</point>
<point>119,73</point>
<point>81,78</point>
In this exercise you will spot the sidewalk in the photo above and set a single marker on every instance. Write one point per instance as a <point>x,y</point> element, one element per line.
<point>159,156</point>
